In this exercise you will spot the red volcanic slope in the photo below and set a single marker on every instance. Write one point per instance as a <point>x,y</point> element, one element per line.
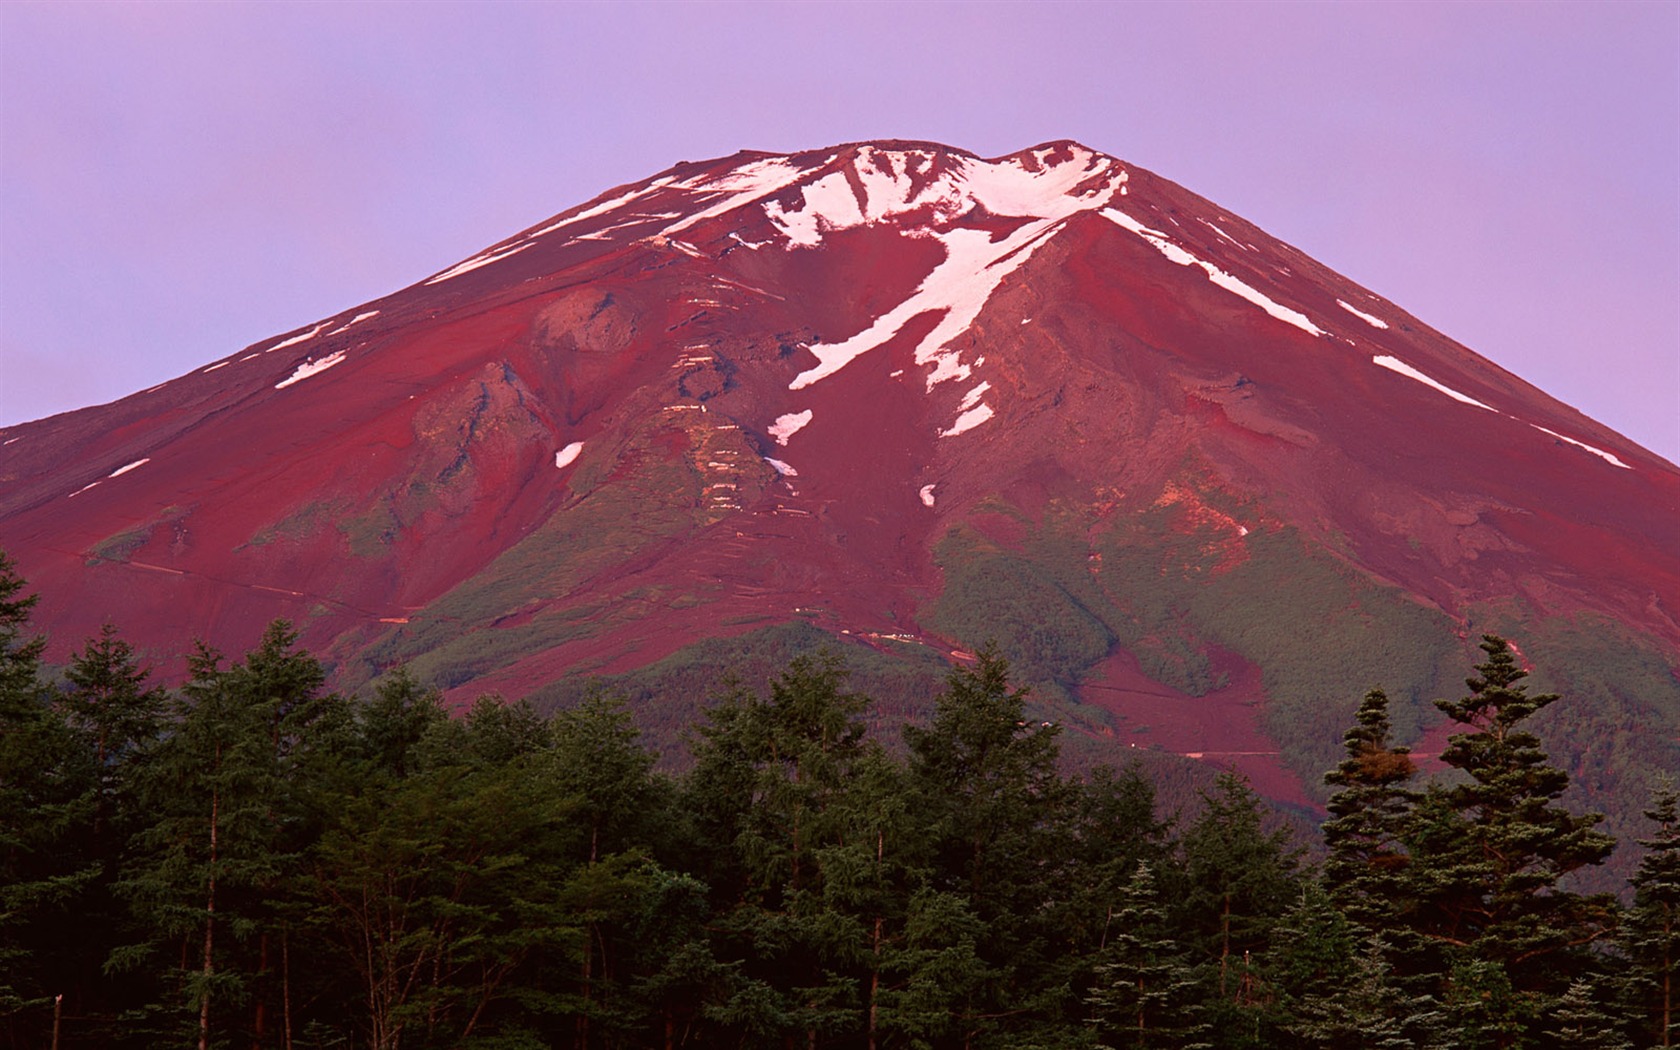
<point>765,386</point>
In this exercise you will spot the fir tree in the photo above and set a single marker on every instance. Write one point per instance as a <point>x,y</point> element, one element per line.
<point>1581,1022</point>
<point>1487,857</point>
<point>1365,870</point>
<point>45,796</point>
<point>1145,993</point>
<point>1650,933</point>
<point>1238,880</point>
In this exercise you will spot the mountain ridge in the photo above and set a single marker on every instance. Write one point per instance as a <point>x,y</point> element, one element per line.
<point>870,388</point>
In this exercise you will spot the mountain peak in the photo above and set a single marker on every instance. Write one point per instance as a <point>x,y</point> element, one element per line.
<point>895,390</point>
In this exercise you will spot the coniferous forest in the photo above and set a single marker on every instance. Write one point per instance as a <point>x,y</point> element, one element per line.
<point>253,861</point>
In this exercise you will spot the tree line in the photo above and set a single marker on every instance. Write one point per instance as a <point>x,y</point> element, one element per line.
<point>253,861</point>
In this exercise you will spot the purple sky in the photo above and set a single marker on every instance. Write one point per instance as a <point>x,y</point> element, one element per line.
<point>180,180</point>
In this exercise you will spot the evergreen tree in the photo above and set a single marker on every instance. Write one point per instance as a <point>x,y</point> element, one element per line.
<point>45,796</point>
<point>1364,1009</point>
<point>1581,1022</point>
<point>984,779</point>
<point>1238,881</point>
<point>226,798</point>
<point>1145,992</point>
<point>770,790</point>
<point>1365,869</point>
<point>1650,934</point>
<point>118,720</point>
<point>396,720</point>
<point>1488,854</point>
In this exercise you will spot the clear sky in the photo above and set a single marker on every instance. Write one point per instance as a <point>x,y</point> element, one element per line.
<point>180,180</point>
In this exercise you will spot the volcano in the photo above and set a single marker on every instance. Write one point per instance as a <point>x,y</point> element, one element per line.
<point>1202,490</point>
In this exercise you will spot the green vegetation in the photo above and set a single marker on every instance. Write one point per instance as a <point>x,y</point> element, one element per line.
<point>253,861</point>
<point>1169,585</point>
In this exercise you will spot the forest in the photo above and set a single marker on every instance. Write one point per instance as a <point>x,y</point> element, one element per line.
<point>253,861</point>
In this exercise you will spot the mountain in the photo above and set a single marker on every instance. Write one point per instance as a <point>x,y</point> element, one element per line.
<point>1203,490</point>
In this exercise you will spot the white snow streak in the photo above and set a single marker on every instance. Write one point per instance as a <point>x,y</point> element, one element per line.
<point>309,368</point>
<point>131,466</point>
<point>1394,364</point>
<point>972,398</point>
<point>567,454</point>
<point>358,319</point>
<point>296,339</point>
<point>889,181</point>
<point>927,495</point>
<point>782,468</point>
<point>745,184</point>
<point>482,259</point>
<point>1374,322</point>
<point>975,264</point>
<point>1219,277</point>
<point>968,420</point>
<point>604,207</point>
<point>1600,453</point>
<point>790,424</point>
<point>218,364</point>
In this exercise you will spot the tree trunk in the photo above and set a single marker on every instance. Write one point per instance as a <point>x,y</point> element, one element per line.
<point>209,924</point>
<point>286,986</point>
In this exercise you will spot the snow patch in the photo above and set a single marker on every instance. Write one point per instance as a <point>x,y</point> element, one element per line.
<point>83,489</point>
<point>927,495</point>
<point>482,259</point>
<point>973,396</point>
<point>1394,364</point>
<point>743,185</point>
<point>124,470</point>
<point>1176,254</point>
<point>1374,322</point>
<point>310,368</point>
<point>1600,453</point>
<point>975,264</point>
<point>604,207</point>
<point>565,456</point>
<point>790,424</point>
<point>890,182</point>
<point>783,469</point>
<point>358,319</point>
<point>218,364</point>
<point>294,340</point>
<point>968,420</point>
<point>1223,234</point>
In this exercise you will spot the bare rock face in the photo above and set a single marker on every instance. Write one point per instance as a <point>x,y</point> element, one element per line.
<point>1203,490</point>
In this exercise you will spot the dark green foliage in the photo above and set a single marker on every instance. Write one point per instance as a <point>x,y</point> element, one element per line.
<point>1365,870</point>
<point>1238,880</point>
<point>1498,844</point>
<point>1042,628</point>
<point>1145,991</point>
<point>1581,1021</point>
<point>1650,933</point>
<point>281,868</point>
<point>46,791</point>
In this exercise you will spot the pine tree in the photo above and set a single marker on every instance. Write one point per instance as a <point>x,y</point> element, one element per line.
<point>1238,881</point>
<point>228,821</point>
<point>1581,1022</point>
<point>1365,870</point>
<point>1145,992</point>
<point>1650,934</point>
<point>394,722</point>
<point>45,797</point>
<point>1487,857</point>
<point>984,779</point>
<point>770,790</point>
